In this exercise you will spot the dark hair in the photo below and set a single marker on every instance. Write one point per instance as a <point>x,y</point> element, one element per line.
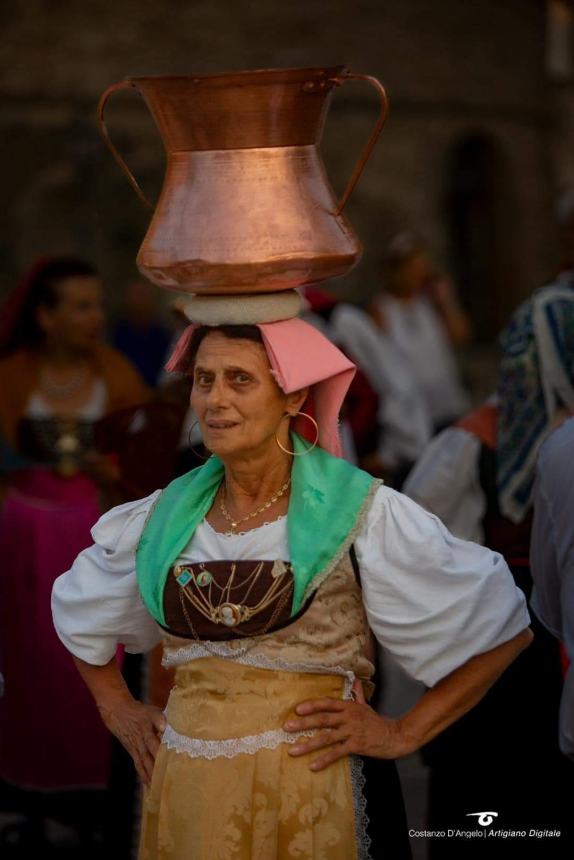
<point>401,248</point>
<point>40,289</point>
<point>233,332</point>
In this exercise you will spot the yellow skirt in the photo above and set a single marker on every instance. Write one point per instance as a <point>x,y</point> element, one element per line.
<point>224,786</point>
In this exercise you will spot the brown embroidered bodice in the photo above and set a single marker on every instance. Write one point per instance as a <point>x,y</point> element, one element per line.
<point>331,631</point>
<point>223,600</point>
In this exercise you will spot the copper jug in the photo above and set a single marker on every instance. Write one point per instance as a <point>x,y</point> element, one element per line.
<point>246,206</point>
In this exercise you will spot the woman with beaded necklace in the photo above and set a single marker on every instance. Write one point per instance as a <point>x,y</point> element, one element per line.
<point>56,379</point>
<point>262,572</point>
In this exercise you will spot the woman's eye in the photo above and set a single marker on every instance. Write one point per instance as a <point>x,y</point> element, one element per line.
<point>241,377</point>
<point>202,379</point>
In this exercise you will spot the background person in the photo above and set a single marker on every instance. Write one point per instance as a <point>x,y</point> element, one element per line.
<point>390,421</point>
<point>57,379</point>
<point>419,311</point>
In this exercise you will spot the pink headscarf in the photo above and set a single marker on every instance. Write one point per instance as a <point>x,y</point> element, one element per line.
<point>300,356</point>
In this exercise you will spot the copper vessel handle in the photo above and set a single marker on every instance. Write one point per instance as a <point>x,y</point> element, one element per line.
<point>364,157</point>
<point>123,85</point>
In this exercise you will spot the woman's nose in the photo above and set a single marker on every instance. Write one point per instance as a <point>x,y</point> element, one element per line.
<point>217,394</point>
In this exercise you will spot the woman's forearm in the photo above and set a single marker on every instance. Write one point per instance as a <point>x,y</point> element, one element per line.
<point>137,726</point>
<point>105,683</point>
<point>458,692</point>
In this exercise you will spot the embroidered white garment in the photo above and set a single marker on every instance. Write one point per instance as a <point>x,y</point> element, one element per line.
<point>432,600</point>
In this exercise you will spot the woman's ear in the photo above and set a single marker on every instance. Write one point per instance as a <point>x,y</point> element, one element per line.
<point>296,399</point>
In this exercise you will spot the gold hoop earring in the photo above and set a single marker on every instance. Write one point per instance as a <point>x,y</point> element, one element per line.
<point>190,446</point>
<point>308,451</point>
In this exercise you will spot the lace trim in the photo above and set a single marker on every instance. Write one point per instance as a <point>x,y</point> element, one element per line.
<point>247,745</point>
<point>188,653</point>
<point>320,578</point>
<point>250,744</point>
<point>358,782</point>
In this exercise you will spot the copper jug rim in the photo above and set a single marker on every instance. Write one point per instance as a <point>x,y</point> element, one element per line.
<point>250,76</point>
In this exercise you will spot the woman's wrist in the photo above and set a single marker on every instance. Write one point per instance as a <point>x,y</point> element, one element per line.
<point>110,699</point>
<point>406,741</point>
<point>393,739</point>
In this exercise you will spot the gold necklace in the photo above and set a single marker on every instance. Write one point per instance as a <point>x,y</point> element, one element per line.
<point>235,522</point>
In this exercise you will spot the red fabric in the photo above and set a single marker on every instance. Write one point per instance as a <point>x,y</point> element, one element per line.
<point>10,310</point>
<point>482,424</point>
<point>51,734</point>
<point>564,660</point>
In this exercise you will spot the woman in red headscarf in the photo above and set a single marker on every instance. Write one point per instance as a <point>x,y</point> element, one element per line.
<point>57,379</point>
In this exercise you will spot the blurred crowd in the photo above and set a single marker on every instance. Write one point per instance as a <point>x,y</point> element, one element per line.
<point>89,419</point>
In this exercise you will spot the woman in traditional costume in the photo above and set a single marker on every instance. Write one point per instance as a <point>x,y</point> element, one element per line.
<point>262,571</point>
<point>56,380</point>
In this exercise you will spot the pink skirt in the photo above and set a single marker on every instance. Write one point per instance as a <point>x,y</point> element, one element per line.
<point>51,734</point>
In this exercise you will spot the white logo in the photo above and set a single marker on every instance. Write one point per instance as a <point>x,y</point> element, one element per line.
<point>484,818</point>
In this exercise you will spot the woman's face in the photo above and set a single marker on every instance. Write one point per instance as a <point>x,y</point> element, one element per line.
<point>239,405</point>
<point>77,320</point>
<point>410,277</point>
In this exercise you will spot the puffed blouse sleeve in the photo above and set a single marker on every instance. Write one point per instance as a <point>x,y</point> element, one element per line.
<point>432,600</point>
<point>96,605</point>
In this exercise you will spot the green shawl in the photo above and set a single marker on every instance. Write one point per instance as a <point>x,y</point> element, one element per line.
<point>328,498</point>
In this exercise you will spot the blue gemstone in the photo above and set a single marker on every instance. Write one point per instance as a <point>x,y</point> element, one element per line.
<point>184,577</point>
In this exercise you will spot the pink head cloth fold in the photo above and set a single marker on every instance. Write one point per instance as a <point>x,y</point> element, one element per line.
<point>300,356</point>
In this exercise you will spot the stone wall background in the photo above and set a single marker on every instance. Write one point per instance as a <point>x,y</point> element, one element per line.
<point>463,77</point>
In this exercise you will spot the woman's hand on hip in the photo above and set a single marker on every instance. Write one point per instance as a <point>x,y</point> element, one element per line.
<point>345,727</point>
<point>139,728</point>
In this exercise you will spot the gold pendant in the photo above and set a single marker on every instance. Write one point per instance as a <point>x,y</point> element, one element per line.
<point>228,614</point>
<point>67,467</point>
<point>68,444</point>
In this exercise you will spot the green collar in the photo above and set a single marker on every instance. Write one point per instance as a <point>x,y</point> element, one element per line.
<point>328,497</point>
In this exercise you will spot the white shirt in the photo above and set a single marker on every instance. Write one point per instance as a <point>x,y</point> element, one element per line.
<point>446,481</point>
<point>90,411</point>
<point>403,415</point>
<point>417,331</point>
<point>432,600</point>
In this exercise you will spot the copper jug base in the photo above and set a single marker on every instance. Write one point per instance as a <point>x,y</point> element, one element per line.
<point>203,278</point>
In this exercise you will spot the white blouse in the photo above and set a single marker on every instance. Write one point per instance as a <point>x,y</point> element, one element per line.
<point>432,600</point>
